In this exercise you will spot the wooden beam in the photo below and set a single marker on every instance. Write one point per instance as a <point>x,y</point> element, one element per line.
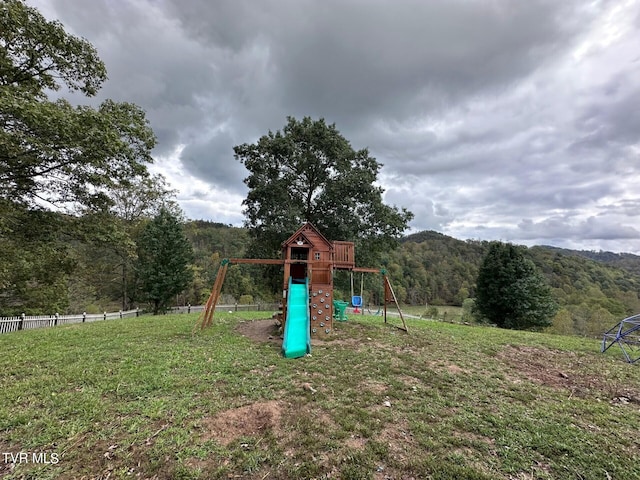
<point>257,261</point>
<point>365,270</point>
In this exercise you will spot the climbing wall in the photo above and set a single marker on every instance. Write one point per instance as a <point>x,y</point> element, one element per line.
<point>321,308</point>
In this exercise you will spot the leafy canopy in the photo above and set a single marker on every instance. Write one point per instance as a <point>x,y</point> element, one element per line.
<point>36,53</point>
<point>511,292</point>
<point>53,151</point>
<point>55,154</point>
<point>310,173</point>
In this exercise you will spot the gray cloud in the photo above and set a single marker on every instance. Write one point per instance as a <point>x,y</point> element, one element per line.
<point>493,119</point>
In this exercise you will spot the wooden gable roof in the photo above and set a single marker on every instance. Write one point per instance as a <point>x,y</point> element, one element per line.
<point>308,232</point>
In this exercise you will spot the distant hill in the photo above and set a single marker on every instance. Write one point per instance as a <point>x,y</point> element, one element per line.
<point>593,289</point>
<point>626,261</point>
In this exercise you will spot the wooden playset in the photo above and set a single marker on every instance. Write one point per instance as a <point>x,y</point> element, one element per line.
<point>308,308</point>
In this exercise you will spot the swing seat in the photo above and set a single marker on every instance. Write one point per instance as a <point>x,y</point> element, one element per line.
<point>356,302</point>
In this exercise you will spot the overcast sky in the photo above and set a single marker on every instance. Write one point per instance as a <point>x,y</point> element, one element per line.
<point>494,119</point>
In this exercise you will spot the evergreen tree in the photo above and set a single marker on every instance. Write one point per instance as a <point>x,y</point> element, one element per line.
<point>511,292</point>
<point>164,257</point>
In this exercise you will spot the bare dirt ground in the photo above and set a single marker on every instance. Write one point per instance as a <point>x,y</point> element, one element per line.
<point>261,330</point>
<point>250,420</point>
<point>555,369</point>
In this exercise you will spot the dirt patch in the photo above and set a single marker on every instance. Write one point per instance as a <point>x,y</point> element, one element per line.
<point>254,419</point>
<point>399,440</point>
<point>560,370</point>
<point>374,387</point>
<point>455,369</point>
<point>267,331</point>
<point>329,341</point>
<point>355,442</point>
<point>261,330</point>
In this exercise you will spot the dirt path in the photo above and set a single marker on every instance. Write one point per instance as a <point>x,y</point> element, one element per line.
<point>260,331</point>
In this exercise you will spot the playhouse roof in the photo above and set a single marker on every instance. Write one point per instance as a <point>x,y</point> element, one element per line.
<point>304,231</point>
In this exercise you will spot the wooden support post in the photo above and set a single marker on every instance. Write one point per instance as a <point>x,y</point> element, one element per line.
<point>390,297</point>
<point>206,317</point>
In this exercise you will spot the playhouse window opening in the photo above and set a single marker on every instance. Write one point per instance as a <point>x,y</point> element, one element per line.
<point>299,253</point>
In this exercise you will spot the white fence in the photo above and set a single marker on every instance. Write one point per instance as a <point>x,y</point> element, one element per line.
<point>26,322</point>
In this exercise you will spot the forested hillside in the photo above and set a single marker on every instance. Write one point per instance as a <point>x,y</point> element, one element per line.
<point>593,293</point>
<point>429,268</point>
<point>626,261</point>
<point>593,290</point>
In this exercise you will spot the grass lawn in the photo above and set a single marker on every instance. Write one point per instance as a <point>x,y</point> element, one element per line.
<point>445,313</point>
<point>144,398</point>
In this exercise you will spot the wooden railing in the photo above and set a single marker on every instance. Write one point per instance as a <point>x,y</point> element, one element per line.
<point>343,255</point>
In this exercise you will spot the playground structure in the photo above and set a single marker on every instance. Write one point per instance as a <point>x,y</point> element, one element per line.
<point>627,335</point>
<point>308,306</point>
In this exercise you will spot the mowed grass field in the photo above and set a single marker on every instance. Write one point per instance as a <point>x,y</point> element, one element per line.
<point>145,398</point>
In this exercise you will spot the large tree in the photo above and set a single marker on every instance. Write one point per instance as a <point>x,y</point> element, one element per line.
<point>53,151</point>
<point>511,292</point>
<point>310,173</point>
<point>55,155</point>
<point>164,258</point>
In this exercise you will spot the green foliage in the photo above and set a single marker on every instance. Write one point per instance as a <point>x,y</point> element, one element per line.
<point>310,173</point>
<point>36,54</point>
<point>431,312</point>
<point>440,270</point>
<point>164,255</point>
<point>70,155</point>
<point>435,269</point>
<point>245,300</point>
<point>109,249</point>
<point>52,153</point>
<point>468,308</point>
<point>52,150</point>
<point>34,261</point>
<point>511,292</point>
<point>213,242</point>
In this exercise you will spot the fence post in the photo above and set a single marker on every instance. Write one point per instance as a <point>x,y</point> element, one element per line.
<point>55,322</point>
<point>120,311</point>
<point>236,306</point>
<point>20,324</point>
<point>84,317</point>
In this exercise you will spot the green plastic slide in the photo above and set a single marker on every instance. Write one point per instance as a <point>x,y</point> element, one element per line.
<point>297,337</point>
